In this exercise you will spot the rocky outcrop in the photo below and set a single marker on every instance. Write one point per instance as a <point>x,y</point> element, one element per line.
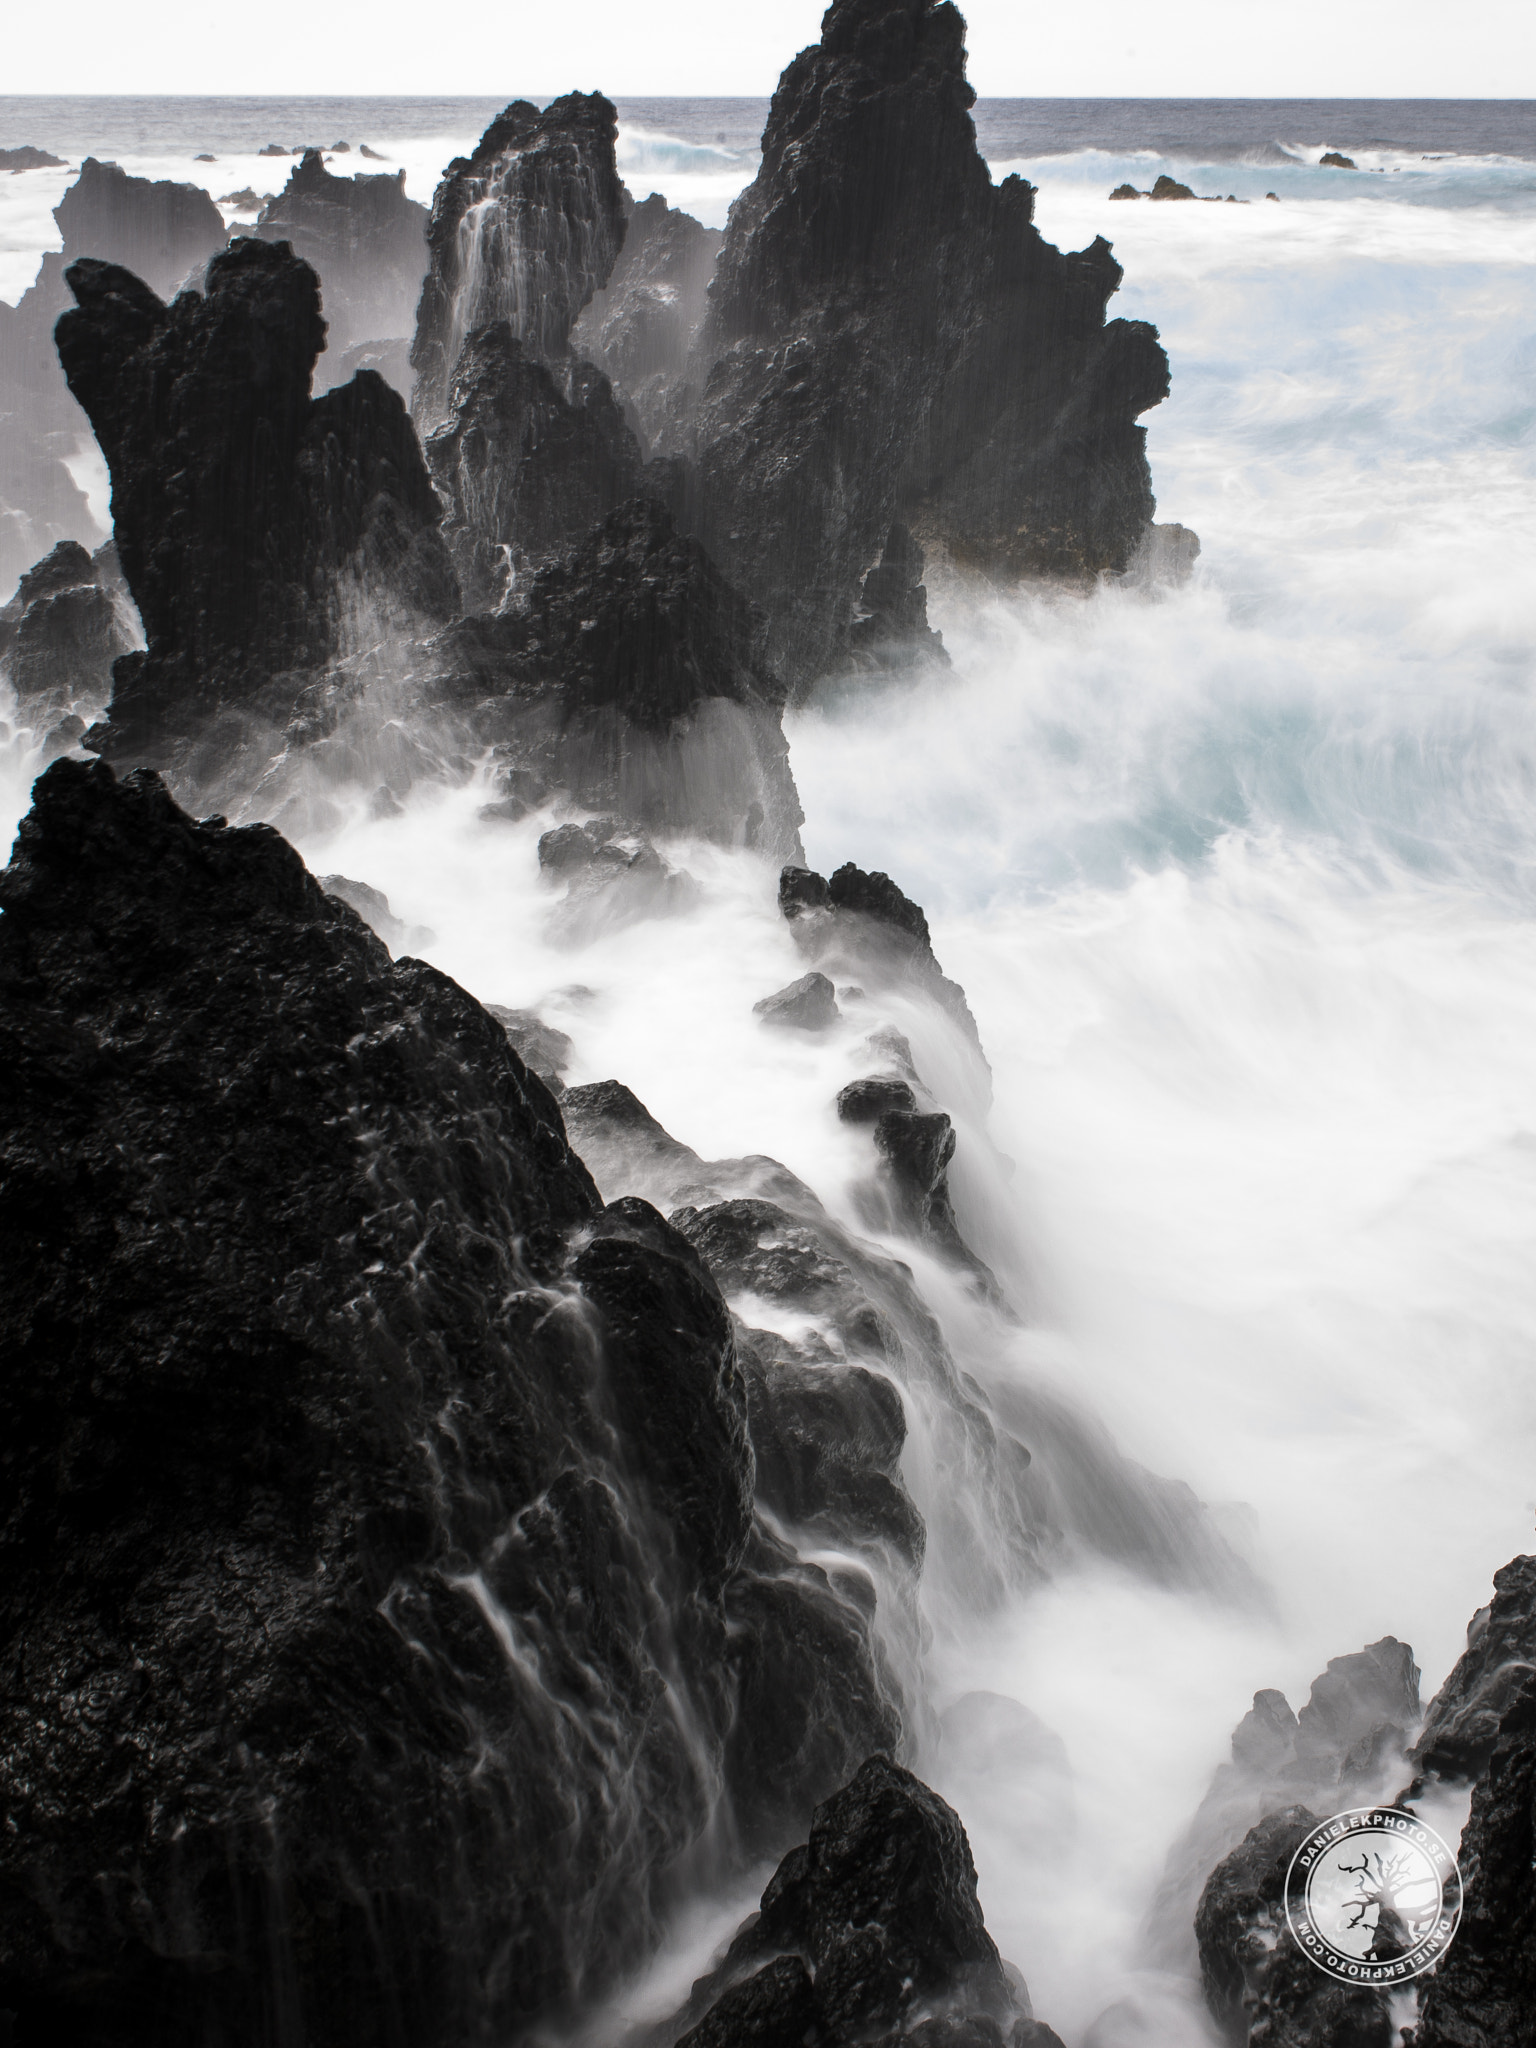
<point>366,241</point>
<point>628,677</point>
<point>523,231</point>
<point>871,1931</point>
<point>809,1004</point>
<point>1260,1986</point>
<point>890,630</point>
<point>162,231</point>
<point>890,337</point>
<point>865,929</point>
<point>383,1611</point>
<point>525,466</point>
<point>640,326</point>
<point>1345,1748</point>
<point>1481,1730</point>
<point>59,636</point>
<point>262,532</point>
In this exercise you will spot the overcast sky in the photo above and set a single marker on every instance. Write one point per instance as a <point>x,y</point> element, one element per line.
<point>1153,48</point>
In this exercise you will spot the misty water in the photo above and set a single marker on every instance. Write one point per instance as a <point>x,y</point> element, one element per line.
<point>1240,879</point>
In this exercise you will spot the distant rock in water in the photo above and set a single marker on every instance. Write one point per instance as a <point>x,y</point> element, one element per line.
<point>258,528</point>
<point>1170,188</point>
<point>1335,160</point>
<point>367,242</point>
<point>888,337</point>
<point>523,231</point>
<point>29,158</point>
<point>390,1494</point>
<point>59,636</point>
<point>640,326</point>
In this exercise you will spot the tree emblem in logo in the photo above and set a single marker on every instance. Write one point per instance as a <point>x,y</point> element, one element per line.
<point>1373,1896</point>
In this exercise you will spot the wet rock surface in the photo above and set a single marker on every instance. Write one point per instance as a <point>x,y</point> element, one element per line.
<point>60,634</point>
<point>809,1004</point>
<point>870,1931</point>
<point>640,326</point>
<point>523,231</point>
<point>526,468</point>
<point>1345,1748</point>
<point>259,529</point>
<point>890,338</point>
<point>627,675</point>
<point>363,1474</point>
<point>164,232</point>
<point>367,243</point>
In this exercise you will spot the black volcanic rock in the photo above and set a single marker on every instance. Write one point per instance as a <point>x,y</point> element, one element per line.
<point>524,230</point>
<point>259,529</point>
<point>891,630</point>
<point>1462,1723</point>
<point>1170,188</point>
<point>60,635</point>
<point>879,1909</point>
<point>346,1555</point>
<point>627,675</point>
<point>808,1004</point>
<point>525,467</point>
<point>367,242</point>
<point>161,230</point>
<point>889,337</point>
<point>1483,1991</point>
<point>640,326</point>
<point>1345,1748</point>
<point>865,1101</point>
<point>861,926</point>
<point>1260,1987</point>
<point>29,158</point>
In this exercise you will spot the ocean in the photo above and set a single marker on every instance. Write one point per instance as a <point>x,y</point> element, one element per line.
<point>1240,879</point>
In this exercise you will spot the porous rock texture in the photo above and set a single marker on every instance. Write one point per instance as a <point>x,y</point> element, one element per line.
<point>1223,1887</point>
<point>627,674</point>
<point>870,1931</point>
<point>1481,1728</point>
<point>59,636</point>
<point>366,241</point>
<point>261,531</point>
<point>889,337</point>
<point>165,233</point>
<point>382,1611</point>
<point>525,466</point>
<point>524,230</point>
<point>639,327</point>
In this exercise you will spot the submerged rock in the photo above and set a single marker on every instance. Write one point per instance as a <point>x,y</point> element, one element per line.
<point>366,241</point>
<point>260,530</point>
